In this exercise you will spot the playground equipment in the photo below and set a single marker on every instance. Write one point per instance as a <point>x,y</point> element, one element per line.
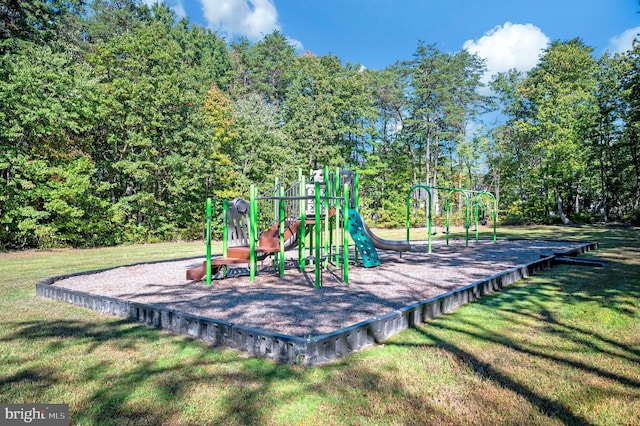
<point>237,241</point>
<point>476,198</point>
<point>273,222</point>
<point>317,216</point>
<point>376,242</point>
<point>364,239</point>
<point>242,244</point>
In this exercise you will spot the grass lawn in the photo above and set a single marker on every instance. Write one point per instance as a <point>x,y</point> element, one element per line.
<point>562,347</point>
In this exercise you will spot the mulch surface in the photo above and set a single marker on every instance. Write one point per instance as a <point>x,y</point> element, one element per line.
<point>291,305</point>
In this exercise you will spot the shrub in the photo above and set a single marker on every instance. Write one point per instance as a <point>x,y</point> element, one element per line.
<point>634,217</point>
<point>514,219</point>
<point>582,218</point>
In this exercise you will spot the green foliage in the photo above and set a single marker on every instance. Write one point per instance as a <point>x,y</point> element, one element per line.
<point>309,111</point>
<point>513,220</point>
<point>45,102</point>
<point>112,18</point>
<point>584,217</point>
<point>634,217</point>
<point>53,206</point>
<point>145,115</point>
<point>562,154</point>
<point>442,98</point>
<point>392,214</point>
<point>43,22</point>
<point>263,68</point>
<point>561,90</point>
<point>270,155</point>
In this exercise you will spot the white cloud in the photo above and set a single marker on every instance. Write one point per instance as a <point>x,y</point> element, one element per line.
<point>624,41</point>
<point>297,44</point>
<point>176,5</point>
<point>509,46</point>
<point>250,18</point>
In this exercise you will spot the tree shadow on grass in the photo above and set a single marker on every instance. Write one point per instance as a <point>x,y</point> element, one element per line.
<point>486,334</point>
<point>615,287</point>
<point>584,337</point>
<point>547,308</point>
<point>30,383</point>
<point>484,369</point>
<point>56,334</point>
<point>160,388</point>
<point>531,303</point>
<point>113,379</point>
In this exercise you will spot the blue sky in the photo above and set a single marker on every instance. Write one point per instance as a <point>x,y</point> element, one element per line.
<point>377,33</point>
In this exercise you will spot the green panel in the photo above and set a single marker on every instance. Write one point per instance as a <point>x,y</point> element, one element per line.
<point>363,243</point>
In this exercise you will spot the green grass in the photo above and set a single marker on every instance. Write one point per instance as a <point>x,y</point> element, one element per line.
<point>562,347</point>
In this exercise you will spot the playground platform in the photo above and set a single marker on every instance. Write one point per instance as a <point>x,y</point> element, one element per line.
<point>287,320</point>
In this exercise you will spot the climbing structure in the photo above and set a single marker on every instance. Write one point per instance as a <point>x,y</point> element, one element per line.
<point>317,216</point>
<point>307,215</point>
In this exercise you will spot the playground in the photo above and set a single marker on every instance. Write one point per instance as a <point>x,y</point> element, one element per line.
<point>290,305</point>
<point>303,279</point>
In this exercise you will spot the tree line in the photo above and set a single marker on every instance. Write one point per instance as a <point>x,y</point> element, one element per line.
<point>117,121</point>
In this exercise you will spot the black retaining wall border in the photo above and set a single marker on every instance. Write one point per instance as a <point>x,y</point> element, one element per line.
<point>309,351</point>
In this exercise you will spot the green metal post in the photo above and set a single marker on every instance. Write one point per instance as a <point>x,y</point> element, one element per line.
<point>356,204</point>
<point>466,219</point>
<point>208,237</point>
<point>345,236</point>
<point>448,208</point>
<point>253,225</point>
<point>302,229</point>
<point>476,207</point>
<point>325,204</point>
<point>495,218</point>
<point>282,218</point>
<point>326,233</point>
<point>318,248</point>
<point>225,227</point>
<point>312,233</point>
<point>311,246</point>
<point>408,223</point>
<point>429,219</point>
<point>337,216</point>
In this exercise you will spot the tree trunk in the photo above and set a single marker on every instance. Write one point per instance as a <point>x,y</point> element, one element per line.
<point>436,199</point>
<point>496,182</point>
<point>413,162</point>
<point>563,217</point>
<point>605,215</point>
<point>427,157</point>
<point>636,167</point>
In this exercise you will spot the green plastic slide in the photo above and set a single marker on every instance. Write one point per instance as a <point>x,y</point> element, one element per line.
<point>361,240</point>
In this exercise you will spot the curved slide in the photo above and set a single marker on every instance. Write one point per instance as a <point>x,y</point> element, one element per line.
<point>383,244</point>
<point>367,241</point>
